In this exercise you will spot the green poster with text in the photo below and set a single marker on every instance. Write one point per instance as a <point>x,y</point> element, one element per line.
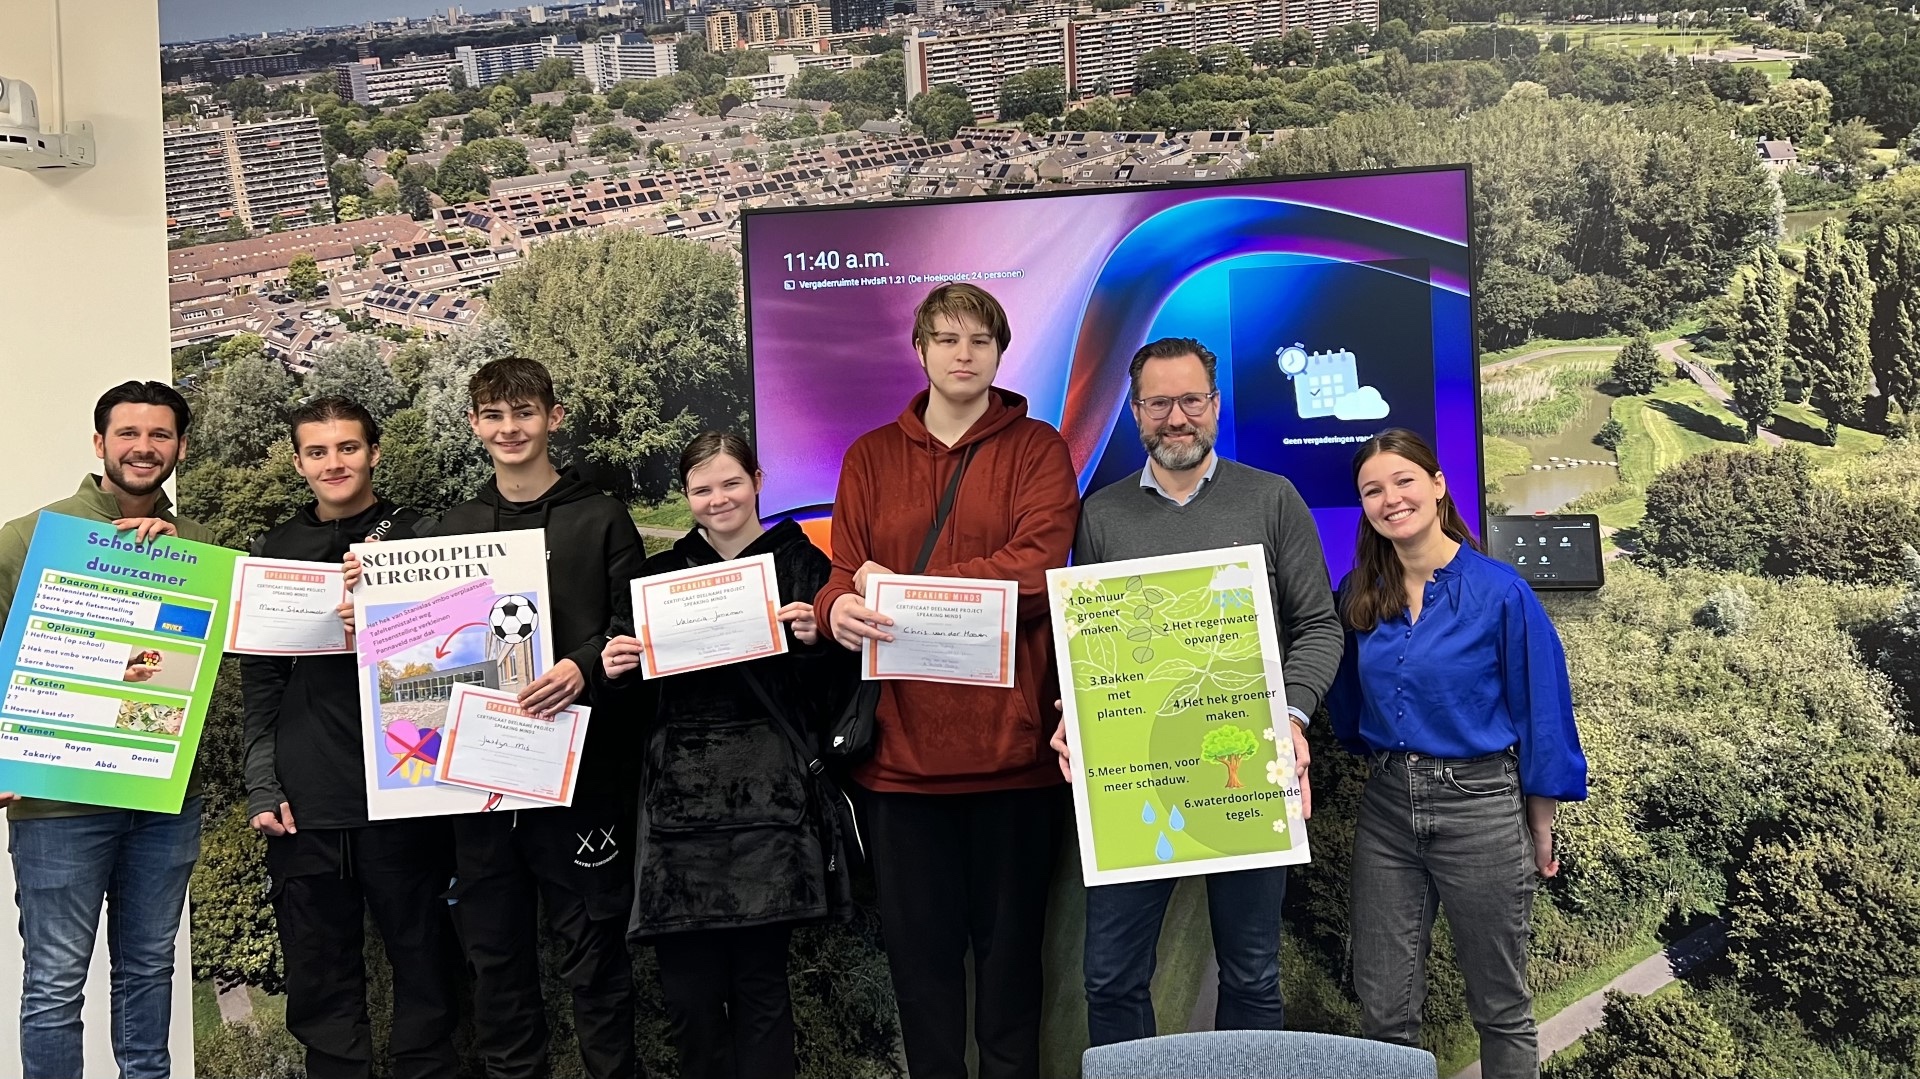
<point>112,647</point>
<point>1176,716</point>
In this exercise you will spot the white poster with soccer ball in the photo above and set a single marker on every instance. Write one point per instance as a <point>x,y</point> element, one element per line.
<point>435,614</point>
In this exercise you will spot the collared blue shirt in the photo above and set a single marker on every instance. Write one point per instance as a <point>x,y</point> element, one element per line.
<point>1481,671</point>
<point>1152,482</point>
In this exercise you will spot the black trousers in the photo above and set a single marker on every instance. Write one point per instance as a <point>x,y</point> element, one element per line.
<point>577,862</point>
<point>955,870</point>
<point>727,1002</point>
<point>324,884</point>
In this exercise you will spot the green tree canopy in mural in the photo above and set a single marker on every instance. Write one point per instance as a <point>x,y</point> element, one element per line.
<point>1825,916</point>
<point>1666,205</point>
<point>233,937</point>
<point>1041,90</point>
<point>609,139</point>
<point>643,336</point>
<point>1636,367</point>
<point>480,124</point>
<point>303,276</point>
<point>470,168</point>
<point>1840,362</point>
<point>242,413</point>
<point>354,369</point>
<point>940,112</point>
<point>1665,1037</point>
<point>1759,344</point>
<point>1162,67</point>
<point>1894,263</point>
<point>429,458</point>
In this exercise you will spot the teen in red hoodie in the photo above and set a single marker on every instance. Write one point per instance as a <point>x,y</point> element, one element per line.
<point>965,795</point>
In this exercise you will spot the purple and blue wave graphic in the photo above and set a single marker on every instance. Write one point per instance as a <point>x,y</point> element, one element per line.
<point>1372,265</point>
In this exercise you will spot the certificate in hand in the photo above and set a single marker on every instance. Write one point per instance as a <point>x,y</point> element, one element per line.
<point>708,616</point>
<point>493,744</point>
<point>286,608</point>
<point>945,629</point>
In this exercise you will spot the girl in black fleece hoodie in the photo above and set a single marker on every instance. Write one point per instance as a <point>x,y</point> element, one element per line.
<point>735,845</point>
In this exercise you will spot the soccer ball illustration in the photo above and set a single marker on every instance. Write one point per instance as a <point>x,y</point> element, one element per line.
<point>513,619</point>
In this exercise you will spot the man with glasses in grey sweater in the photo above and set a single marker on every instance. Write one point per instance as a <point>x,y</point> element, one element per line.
<point>1188,498</point>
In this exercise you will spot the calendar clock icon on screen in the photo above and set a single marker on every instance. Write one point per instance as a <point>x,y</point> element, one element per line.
<point>1320,379</point>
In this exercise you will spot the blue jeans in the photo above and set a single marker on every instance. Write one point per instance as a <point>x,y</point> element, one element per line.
<point>63,867</point>
<point>1123,932</point>
<point>1432,834</point>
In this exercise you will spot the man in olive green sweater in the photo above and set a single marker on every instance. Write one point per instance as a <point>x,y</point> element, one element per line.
<point>68,857</point>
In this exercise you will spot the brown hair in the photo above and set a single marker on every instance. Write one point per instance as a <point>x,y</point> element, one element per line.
<point>333,408</point>
<point>513,380</point>
<point>1379,590</point>
<point>958,300</point>
<point>1172,348</point>
<point>710,444</point>
<point>147,393</point>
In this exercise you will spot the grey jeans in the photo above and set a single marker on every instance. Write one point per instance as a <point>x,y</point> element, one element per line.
<point>1431,833</point>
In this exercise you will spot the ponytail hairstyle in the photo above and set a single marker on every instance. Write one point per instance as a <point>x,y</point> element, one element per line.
<point>1378,591</point>
<point>710,444</point>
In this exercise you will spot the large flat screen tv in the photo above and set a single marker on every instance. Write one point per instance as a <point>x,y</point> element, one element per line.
<point>1337,305</point>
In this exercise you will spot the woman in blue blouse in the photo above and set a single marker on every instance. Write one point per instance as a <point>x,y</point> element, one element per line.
<point>1454,687</point>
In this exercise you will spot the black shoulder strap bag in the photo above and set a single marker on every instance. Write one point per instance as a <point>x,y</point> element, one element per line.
<point>840,828</point>
<point>851,735</point>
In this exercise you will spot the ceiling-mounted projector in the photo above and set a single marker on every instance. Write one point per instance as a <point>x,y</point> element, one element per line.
<point>24,146</point>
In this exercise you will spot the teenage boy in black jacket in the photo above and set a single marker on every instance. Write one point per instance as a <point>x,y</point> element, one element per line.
<point>327,865</point>
<point>576,860</point>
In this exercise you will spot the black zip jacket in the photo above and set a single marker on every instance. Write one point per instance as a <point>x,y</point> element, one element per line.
<point>732,833</point>
<point>303,739</point>
<point>593,551</point>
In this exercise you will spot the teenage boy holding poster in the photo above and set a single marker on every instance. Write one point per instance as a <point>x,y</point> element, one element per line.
<point>328,867</point>
<point>576,860</point>
<point>1188,498</point>
<point>68,858</point>
<point>964,798</point>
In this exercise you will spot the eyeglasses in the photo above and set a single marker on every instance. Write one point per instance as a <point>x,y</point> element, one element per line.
<point>1193,404</point>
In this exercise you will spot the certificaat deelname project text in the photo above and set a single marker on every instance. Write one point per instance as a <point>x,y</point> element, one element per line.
<point>708,616</point>
<point>945,629</point>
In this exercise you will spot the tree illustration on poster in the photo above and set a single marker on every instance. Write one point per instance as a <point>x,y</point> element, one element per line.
<point>1229,746</point>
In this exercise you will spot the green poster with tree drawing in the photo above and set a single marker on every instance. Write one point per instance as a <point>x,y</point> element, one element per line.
<point>1176,716</point>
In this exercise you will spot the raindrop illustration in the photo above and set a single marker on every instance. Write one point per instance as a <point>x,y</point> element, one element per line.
<point>1163,850</point>
<point>1146,813</point>
<point>1175,821</point>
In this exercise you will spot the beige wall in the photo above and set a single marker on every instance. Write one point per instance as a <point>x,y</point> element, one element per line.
<point>83,291</point>
<point>83,303</point>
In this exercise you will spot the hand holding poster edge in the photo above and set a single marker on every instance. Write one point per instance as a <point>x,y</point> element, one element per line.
<point>1186,648</point>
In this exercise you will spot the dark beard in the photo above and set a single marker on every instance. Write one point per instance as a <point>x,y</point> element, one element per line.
<point>117,473</point>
